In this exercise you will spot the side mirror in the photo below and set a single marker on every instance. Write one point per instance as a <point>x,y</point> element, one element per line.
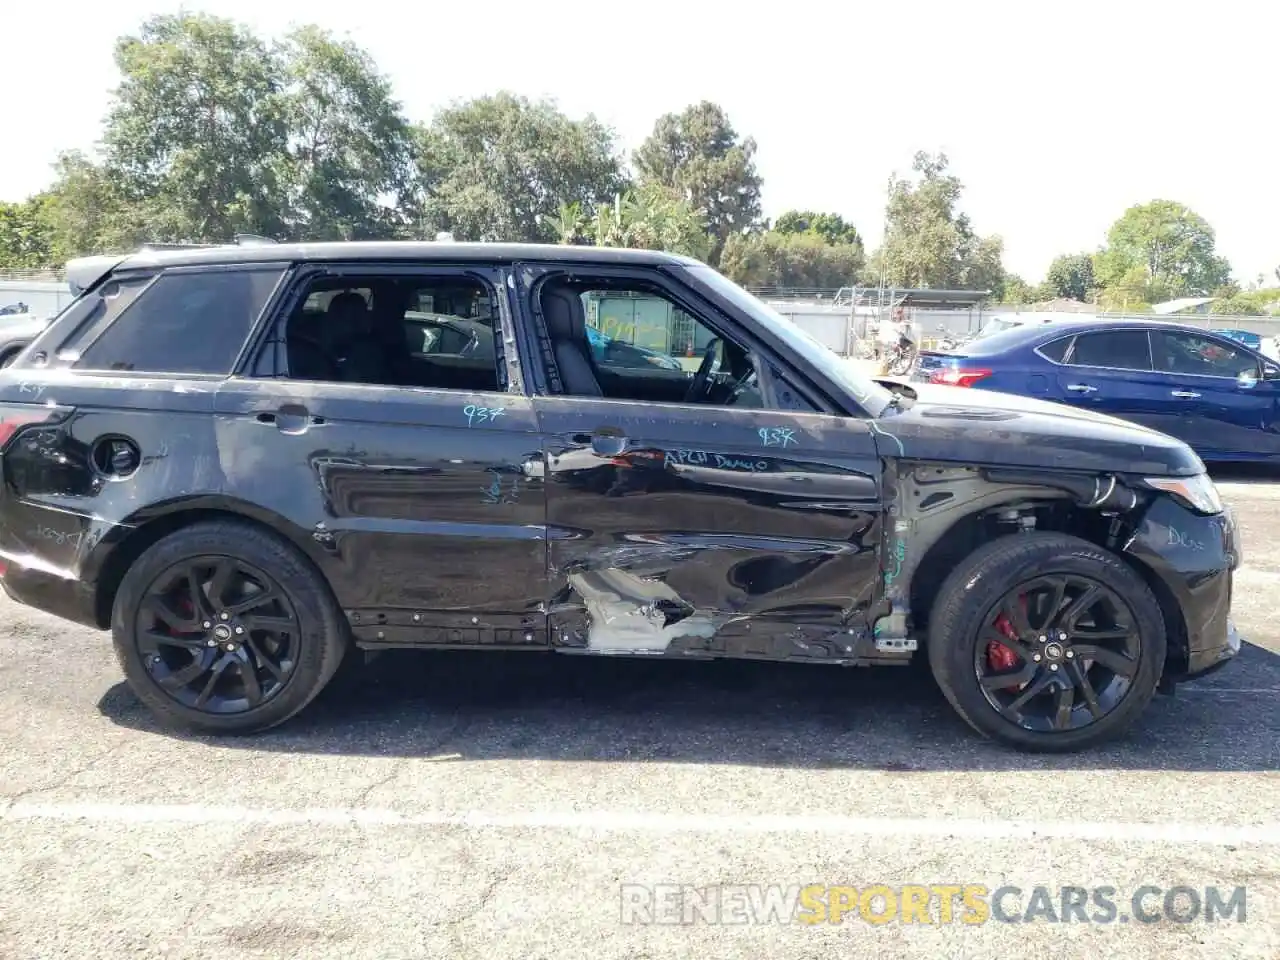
<point>1270,372</point>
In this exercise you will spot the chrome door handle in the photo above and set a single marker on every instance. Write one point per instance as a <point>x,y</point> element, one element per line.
<point>1081,388</point>
<point>1185,394</point>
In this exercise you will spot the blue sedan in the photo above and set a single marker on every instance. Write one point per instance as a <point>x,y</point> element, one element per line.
<point>1210,391</point>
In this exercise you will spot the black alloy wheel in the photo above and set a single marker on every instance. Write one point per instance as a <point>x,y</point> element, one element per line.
<point>218,635</point>
<point>211,642</point>
<point>1058,652</point>
<point>1046,642</point>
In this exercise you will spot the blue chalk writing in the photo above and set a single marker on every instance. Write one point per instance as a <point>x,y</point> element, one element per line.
<point>476,414</point>
<point>898,554</point>
<point>776,436</point>
<point>674,458</point>
<point>1179,539</point>
<point>729,463</point>
<point>494,494</point>
<point>700,458</point>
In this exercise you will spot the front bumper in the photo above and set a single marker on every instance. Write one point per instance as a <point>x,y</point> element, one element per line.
<point>1195,558</point>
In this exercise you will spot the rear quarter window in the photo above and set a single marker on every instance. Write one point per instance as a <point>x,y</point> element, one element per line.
<point>1055,350</point>
<point>183,322</point>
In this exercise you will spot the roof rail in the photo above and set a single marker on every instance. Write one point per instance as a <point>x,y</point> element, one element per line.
<point>173,246</point>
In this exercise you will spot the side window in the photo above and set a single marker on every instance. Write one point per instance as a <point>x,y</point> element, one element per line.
<point>194,323</point>
<point>1056,350</point>
<point>1117,349</point>
<point>1186,353</point>
<point>630,341</point>
<point>435,332</point>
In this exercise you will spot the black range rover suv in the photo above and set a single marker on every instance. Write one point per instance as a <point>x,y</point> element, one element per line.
<point>245,461</point>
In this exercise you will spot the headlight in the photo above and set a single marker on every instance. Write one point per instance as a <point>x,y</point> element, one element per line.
<point>1197,492</point>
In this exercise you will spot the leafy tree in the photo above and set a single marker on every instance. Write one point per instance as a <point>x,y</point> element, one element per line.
<point>698,154</point>
<point>929,243</point>
<point>501,168</point>
<point>197,135</point>
<point>831,227</point>
<point>1071,276</point>
<point>648,217</point>
<point>26,237</point>
<point>1239,306</point>
<point>791,261</point>
<point>1016,290</point>
<point>1167,244</point>
<point>349,144</point>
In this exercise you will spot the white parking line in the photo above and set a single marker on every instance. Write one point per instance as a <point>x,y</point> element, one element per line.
<point>621,821</point>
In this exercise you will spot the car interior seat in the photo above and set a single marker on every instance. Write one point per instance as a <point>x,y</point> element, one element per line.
<point>566,320</point>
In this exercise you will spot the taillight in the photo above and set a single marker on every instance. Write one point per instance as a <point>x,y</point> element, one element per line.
<point>958,376</point>
<point>15,416</point>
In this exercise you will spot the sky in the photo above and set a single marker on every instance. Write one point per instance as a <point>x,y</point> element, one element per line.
<point>1056,116</point>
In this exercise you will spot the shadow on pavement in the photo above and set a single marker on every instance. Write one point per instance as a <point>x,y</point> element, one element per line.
<point>502,706</point>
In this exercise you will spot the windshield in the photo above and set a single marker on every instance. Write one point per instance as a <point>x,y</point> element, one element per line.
<point>869,394</point>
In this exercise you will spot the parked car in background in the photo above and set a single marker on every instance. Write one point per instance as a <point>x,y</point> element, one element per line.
<point>1214,393</point>
<point>929,360</point>
<point>16,331</point>
<point>248,462</point>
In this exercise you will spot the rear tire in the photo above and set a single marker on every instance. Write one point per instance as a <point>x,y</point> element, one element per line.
<point>212,642</point>
<point>1001,661</point>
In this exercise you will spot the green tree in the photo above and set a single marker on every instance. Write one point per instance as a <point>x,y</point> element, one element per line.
<point>349,144</point>
<point>698,154</point>
<point>502,168</point>
<point>27,240</point>
<point>1071,276</point>
<point>1167,244</point>
<point>197,134</point>
<point>831,227</point>
<point>791,261</point>
<point>1015,290</point>
<point>1239,306</point>
<point>648,217</point>
<point>928,242</point>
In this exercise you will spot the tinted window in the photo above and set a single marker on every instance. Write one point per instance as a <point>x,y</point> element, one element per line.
<point>184,323</point>
<point>435,332</point>
<point>1055,350</point>
<point>1120,349</point>
<point>1187,353</point>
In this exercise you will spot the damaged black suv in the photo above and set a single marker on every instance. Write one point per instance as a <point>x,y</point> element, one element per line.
<point>247,460</point>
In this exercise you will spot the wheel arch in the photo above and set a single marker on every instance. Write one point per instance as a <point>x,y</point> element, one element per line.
<point>110,561</point>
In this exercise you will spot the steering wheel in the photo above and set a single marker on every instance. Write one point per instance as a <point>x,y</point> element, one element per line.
<point>710,365</point>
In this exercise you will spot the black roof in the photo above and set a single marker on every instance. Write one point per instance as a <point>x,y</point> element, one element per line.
<point>87,270</point>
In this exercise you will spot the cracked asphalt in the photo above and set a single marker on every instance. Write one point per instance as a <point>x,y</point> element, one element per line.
<point>491,805</point>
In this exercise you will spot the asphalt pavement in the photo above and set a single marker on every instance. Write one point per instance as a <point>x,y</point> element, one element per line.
<point>491,805</point>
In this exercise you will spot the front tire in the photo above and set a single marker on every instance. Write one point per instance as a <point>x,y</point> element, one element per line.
<point>1046,642</point>
<point>222,627</point>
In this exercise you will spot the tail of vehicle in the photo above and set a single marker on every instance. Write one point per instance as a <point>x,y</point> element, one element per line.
<point>950,369</point>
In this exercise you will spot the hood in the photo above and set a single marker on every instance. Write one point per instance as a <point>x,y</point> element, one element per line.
<point>987,428</point>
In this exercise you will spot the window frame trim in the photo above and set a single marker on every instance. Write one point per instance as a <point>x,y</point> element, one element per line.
<point>1234,346</point>
<point>280,267</point>
<point>763,359</point>
<point>494,275</point>
<point>1073,337</point>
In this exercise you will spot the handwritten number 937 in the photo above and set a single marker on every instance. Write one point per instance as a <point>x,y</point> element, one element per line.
<point>476,414</point>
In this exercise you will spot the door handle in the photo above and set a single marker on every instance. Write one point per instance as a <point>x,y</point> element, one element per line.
<point>1081,388</point>
<point>605,442</point>
<point>1185,394</point>
<point>290,418</point>
<point>608,444</point>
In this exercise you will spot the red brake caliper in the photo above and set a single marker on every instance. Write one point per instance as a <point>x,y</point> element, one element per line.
<point>1000,657</point>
